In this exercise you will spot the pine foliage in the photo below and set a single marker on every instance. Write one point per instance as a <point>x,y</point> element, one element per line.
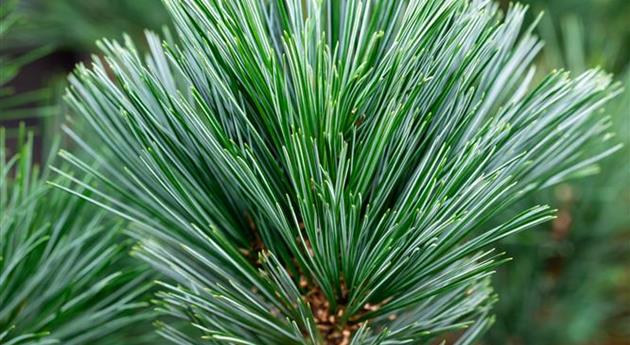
<point>59,260</point>
<point>568,275</point>
<point>330,172</point>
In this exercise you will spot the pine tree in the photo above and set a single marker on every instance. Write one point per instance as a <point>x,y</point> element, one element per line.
<point>330,172</point>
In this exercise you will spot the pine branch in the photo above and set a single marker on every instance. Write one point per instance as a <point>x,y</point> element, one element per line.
<point>60,262</point>
<point>328,172</point>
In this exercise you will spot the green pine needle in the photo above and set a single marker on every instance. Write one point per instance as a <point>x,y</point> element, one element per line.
<point>330,172</point>
<point>61,275</point>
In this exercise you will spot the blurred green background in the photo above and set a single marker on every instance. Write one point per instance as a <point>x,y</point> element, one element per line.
<point>570,280</point>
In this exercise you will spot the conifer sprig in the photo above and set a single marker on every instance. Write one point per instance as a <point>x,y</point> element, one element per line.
<point>311,172</point>
<point>59,282</point>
